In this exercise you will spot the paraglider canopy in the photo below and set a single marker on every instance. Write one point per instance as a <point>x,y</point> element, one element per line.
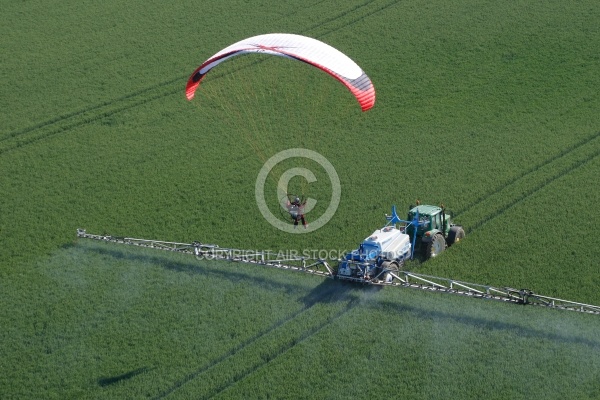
<point>300,48</point>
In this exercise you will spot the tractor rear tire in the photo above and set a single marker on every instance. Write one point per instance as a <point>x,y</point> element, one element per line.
<point>436,246</point>
<point>456,234</point>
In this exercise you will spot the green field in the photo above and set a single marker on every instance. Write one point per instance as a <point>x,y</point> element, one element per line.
<point>490,108</point>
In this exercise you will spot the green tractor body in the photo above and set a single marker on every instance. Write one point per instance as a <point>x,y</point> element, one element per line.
<point>435,230</point>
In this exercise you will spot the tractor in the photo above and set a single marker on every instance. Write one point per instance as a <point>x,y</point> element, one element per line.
<point>431,229</point>
<point>428,230</point>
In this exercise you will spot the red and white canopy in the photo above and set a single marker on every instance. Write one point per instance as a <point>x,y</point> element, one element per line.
<point>297,47</point>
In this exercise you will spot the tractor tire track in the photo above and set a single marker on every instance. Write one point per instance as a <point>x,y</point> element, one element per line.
<point>284,349</point>
<point>81,119</point>
<point>339,16</point>
<point>565,152</point>
<point>229,357</point>
<point>354,20</point>
<point>26,136</point>
<point>85,110</point>
<point>579,160</point>
<point>232,352</point>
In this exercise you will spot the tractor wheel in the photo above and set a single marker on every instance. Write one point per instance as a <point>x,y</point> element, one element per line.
<point>387,267</point>
<point>394,267</point>
<point>436,246</point>
<point>456,234</point>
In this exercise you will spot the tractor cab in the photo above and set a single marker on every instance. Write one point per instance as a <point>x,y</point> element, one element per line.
<point>431,218</point>
<point>431,229</point>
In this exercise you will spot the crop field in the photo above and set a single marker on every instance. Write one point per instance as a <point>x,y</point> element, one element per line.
<point>488,107</point>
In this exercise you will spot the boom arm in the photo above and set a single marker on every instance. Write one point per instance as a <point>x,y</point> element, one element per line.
<point>323,268</point>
